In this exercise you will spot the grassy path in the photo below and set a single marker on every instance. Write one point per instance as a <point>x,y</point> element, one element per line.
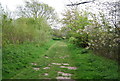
<point>55,64</point>
<point>61,62</point>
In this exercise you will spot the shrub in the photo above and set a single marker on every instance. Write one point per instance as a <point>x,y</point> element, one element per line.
<point>72,40</point>
<point>25,30</point>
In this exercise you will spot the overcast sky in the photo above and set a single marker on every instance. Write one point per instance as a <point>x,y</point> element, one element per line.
<point>58,5</point>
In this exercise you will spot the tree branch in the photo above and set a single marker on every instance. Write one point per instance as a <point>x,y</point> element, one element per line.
<point>80,3</point>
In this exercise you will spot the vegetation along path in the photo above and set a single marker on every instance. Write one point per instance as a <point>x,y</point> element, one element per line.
<point>55,63</point>
<point>59,62</point>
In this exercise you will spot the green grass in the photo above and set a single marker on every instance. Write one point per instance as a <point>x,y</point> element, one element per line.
<point>0,63</point>
<point>54,52</point>
<point>17,61</point>
<point>18,57</point>
<point>91,66</point>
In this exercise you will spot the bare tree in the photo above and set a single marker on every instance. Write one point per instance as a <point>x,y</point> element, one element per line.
<point>35,9</point>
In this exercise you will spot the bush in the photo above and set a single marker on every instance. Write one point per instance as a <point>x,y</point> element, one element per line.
<point>103,43</point>
<point>72,40</point>
<point>25,30</point>
<point>97,34</point>
<point>102,39</point>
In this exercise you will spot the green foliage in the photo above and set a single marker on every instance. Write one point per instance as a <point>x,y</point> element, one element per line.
<point>91,66</point>
<point>33,24</point>
<point>25,30</point>
<point>0,64</point>
<point>57,34</point>
<point>72,40</point>
<point>97,33</point>
<point>18,57</point>
<point>76,23</point>
<point>102,38</point>
<point>24,39</point>
<point>1,12</point>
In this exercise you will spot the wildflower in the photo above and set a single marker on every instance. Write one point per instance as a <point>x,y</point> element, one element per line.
<point>36,69</point>
<point>46,68</point>
<point>46,74</point>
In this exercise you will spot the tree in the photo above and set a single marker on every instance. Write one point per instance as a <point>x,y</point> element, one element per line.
<point>76,22</point>
<point>113,9</point>
<point>35,9</point>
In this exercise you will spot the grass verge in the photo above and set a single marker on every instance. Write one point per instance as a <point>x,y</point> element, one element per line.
<point>91,66</point>
<point>18,57</point>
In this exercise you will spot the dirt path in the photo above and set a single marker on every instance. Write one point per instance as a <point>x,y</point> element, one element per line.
<point>55,64</point>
